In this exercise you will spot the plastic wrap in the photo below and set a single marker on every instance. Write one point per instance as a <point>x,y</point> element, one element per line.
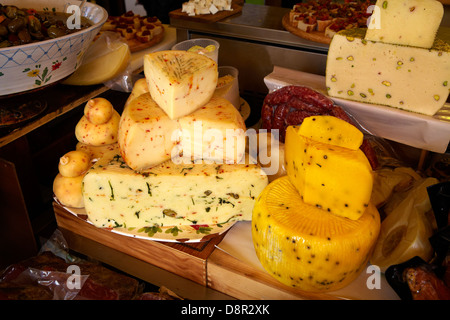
<point>55,274</point>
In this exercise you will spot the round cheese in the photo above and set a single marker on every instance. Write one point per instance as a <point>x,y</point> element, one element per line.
<point>306,247</point>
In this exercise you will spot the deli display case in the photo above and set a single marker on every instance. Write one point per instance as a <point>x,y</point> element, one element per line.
<point>223,265</point>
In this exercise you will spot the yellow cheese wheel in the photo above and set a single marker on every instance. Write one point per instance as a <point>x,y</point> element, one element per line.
<point>307,247</point>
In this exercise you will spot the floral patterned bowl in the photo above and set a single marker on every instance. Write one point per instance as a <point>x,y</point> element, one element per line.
<point>35,65</point>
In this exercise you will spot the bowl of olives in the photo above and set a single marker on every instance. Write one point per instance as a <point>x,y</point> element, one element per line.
<point>44,41</point>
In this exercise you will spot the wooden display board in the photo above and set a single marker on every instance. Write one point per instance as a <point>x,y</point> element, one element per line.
<point>135,45</point>
<point>185,259</point>
<point>207,18</point>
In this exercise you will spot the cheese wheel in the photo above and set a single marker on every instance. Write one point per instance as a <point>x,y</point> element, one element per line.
<point>306,247</point>
<point>147,137</point>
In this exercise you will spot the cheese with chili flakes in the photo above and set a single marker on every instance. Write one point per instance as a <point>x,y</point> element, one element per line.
<point>145,133</point>
<point>148,137</point>
<point>180,82</point>
<point>170,194</point>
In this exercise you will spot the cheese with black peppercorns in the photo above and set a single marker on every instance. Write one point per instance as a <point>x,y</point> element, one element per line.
<point>170,194</point>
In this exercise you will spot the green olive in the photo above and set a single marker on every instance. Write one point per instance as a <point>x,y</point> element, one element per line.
<point>3,31</point>
<point>16,24</point>
<point>24,36</point>
<point>11,11</point>
<point>55,32</point>
<point>4,44</point>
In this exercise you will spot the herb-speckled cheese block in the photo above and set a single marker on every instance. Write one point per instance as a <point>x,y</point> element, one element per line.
<point>214,133</point>
<point>179,81</point>
<point>170,194</point>
<point>306,247</point>
<point>336,179</point>
<point>388,74</point>
<point>408,78</point>
<point>406,22</point>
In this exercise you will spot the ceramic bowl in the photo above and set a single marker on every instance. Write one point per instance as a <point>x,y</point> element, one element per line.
<point>36,65</point>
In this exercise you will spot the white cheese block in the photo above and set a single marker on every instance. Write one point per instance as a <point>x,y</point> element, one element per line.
<point>180,81</point>
<point>170,194</point>
<point>409,78</point>
<point>407,22</point>
<point>148,137</point>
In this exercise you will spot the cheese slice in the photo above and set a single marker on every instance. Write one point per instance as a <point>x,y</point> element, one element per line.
<point>170,194</point>
<point>179,81</point>
<point>406,22</point>
<point>215,133</point>
<point>308,248</point>
<point>408,78</point>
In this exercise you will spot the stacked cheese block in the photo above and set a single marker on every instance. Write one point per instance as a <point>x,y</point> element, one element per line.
<point>397,61</point>
<point>315,228</point>
<point>182,154</point>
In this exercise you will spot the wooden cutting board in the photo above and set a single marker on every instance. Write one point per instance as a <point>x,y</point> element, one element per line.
<point>315,36</point>
<point>206,18</point>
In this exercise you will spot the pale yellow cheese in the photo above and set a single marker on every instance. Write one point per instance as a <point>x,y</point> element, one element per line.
<point>406,22</point>
<point>179,81</point>
<point>98,134</point>
<point>145,133</point>
<point>213,133</point>
<point>170,194</point>
<point>105,66</point>
<point>408,78</point>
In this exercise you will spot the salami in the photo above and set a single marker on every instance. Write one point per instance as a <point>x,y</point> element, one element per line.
<point>290,105</point>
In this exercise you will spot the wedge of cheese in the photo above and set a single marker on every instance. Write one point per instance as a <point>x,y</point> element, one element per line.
<point>409,78</point>
<point>306,247</point>
<point>111,59</point>
<point>170,194</point>
<point>179,81</point>
<point>336,179</point>
<point>215,133</point>
<point>407,22</point>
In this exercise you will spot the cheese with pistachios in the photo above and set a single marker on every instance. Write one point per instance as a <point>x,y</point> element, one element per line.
<point>170,194</point>
<point>180,81</point>
<point>407,22</point>
<point>408,78</point>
